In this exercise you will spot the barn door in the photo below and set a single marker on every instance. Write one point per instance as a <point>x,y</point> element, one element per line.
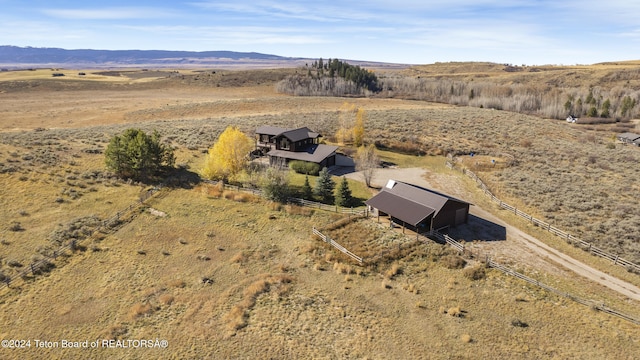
<point>461,216</point>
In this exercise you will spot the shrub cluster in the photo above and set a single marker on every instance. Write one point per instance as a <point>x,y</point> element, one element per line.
<point>305,167</point>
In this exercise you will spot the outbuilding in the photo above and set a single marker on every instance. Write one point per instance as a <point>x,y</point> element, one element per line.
<point>418,209</point>
<point>629,138</point>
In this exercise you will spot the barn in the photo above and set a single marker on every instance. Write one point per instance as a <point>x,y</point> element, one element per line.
<point>418,209</point>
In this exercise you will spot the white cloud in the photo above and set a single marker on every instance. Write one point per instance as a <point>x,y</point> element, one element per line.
<point>244,35</point>
<point>310,11</point>
<point>116,13</point>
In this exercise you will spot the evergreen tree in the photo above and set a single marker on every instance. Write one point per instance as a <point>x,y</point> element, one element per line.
<point>324,186</point>
<point>136,155</point>
<point>307,192</point>
<point>343,195</point>
<point>627,104</point>
<point>606,106</point>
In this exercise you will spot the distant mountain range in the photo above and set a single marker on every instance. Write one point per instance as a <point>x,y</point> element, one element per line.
<point>14,55</point>
<point>21,57</point>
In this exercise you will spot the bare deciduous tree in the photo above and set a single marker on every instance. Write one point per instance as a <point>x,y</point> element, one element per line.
<point>367,161</point>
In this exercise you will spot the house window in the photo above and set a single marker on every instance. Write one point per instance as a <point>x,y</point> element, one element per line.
<point>284,144</point>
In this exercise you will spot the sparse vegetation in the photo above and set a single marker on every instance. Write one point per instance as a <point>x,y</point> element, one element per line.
<point>247,306</point>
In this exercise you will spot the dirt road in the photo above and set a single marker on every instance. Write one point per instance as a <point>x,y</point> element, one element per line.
<point>517,246</point>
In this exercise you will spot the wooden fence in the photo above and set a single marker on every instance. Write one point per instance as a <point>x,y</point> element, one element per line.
<point>592,304</point>
<point>336,245</point>
<point>107,226</point>
<point>298,201</point>
<point>617,260</point>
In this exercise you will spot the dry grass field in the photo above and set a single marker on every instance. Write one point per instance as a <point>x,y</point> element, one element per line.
<point>228,275</point>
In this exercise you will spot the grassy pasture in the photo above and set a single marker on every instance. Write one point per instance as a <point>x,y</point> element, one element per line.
<point>272,286</point>
<point>274,289</point>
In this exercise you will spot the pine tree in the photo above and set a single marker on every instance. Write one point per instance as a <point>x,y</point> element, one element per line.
<point>136,155</point>
<point>307,192</point>
<point>324,186</point>
<point>606,106</point>
<point>343,195</point>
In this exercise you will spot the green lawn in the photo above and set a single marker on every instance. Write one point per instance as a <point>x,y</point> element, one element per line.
<point>359,190</point>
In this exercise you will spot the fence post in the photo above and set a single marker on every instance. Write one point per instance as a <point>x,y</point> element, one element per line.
<point>615,262</point>
<point>33,271</point>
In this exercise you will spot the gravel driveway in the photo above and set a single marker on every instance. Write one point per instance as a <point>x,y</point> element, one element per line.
<point>516,247</point>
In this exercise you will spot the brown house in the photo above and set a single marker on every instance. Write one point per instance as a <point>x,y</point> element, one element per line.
<point>283,145</point>
<point>419,209</point>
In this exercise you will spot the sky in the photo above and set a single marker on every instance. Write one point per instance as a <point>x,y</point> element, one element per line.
<point>531,32</point>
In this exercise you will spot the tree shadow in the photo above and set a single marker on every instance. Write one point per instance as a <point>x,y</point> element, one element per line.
<point>180,177</point>
<point>479,229</point>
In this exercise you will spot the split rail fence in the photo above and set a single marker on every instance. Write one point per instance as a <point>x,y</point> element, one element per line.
<point>298,201</point>
<point>106,226</point>
<point>586,246</point>
<point>336,245</point>
<point>594,305</point>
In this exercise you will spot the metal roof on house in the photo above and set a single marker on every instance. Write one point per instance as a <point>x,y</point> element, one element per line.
<point>629,136</point>
<point>291,134</point>
<point>313,153</point>
<point>299,134</point>
<point>409,203</point>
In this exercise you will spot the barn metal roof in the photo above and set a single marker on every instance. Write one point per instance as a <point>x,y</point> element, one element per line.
<point>406,210</point>
<point>409,203</point>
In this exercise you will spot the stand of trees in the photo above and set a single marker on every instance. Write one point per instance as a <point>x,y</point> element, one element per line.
<point>608,98</point>
<point>543,100</point>
<point>331,78</point>
<point>359,76</point>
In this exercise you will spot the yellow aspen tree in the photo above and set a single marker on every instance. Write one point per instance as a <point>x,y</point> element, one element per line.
<point>358,128</point>
<point>344,134</point>
<point>228,156</point>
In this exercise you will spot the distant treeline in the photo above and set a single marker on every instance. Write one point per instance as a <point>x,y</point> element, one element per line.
<point>337,78</point>
<point>542,100</point>
<point>331,78</point>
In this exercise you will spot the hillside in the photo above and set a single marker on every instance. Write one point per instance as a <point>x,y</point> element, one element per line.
<point>13,56</point>
<point>225,274</point>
